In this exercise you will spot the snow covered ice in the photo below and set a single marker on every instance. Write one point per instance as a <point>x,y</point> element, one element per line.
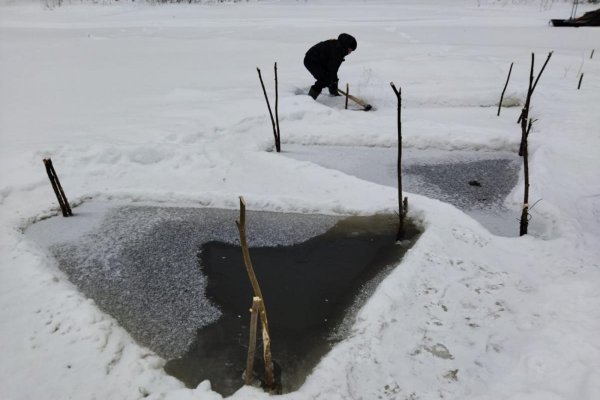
<point>138,103</point>
<point>141,263</point>
<point>474,181</point>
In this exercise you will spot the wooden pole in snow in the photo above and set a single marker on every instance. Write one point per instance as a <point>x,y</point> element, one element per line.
<point>526,124</point>
<point>278,136</point>
<point>524,223</point>
<point>270,112</point>
<point>402,205</point>
<point>57,187</point>
<point>256,302</point>
<point>504,90</point>
<point>347,93</point>
<point>532,88</point>
<point>241,224</point>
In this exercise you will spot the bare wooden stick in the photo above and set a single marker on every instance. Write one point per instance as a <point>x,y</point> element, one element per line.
<point>525,111</point>
<point>504,90</point>
<point>402,205</point>
<point>269,373</point>
<point>269,107</point>
<point>55,188</point>
<point>241,224</point>
<point>248,376</point>
<point>524,223</point>
<point>541,71</point>
<point>347,93</point>
<point>278,136</point>
<point>58,190</point>
<point>526,124</point>
<point>592,55</point>
<point>532,88</point>
<point>580,79</point>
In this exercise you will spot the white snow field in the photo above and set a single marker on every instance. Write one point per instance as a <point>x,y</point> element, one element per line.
<point>162,104</point>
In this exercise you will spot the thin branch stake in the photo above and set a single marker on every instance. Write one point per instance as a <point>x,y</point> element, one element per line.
<point>269,373</point>
<point>525,111</point>
<point>541,71</point>
<point>248,376</point>
<point>278,136</point>
<point>402,205</point>
<point>58,190</point>
<point>532,88</point>
<point>241,224</point>
<point>347,93</point>
<point>524,223</point>
<point>269,107</point>
<point>505,86</point>
<point>580,79</point>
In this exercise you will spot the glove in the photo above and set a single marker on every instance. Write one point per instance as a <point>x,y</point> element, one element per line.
<point>333,89</point>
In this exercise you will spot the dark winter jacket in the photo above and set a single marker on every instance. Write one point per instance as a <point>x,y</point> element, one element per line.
<point>327,56</point>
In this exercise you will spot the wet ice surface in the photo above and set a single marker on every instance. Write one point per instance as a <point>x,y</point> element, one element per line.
<point>174,278</point>
<point>476,182</point>
<point>140,263</point>
<point>312,290</point>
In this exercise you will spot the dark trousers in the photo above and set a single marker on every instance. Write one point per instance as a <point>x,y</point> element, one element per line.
<point>317,70</point>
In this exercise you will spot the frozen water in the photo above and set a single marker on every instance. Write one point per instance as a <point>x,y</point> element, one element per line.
<point>477,182</point>
<point>467,185</point>
<point>174,278</point>
<point>312,293</point>
<point>140,263</point>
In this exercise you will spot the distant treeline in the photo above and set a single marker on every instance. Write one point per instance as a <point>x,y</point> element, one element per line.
<point>544,4</point>
<point>58,3</point>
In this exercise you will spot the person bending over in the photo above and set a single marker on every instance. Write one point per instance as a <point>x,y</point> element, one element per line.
<point>323,61</point>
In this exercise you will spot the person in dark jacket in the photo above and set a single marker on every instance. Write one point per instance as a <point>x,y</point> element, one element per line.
<point>323,61</point>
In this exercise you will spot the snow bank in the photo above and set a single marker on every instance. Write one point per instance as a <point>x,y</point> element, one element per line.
<point>141,103</point>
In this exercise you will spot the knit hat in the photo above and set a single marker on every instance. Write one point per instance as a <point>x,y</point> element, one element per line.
<point>347,41</point>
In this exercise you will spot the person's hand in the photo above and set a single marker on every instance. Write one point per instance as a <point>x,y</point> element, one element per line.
<point>333,89</point>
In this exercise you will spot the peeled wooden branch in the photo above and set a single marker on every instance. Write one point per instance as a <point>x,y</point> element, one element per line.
<point>269,373</point>
<point>256,305</point>
<point>505,86</point>
<point>241,224</point>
